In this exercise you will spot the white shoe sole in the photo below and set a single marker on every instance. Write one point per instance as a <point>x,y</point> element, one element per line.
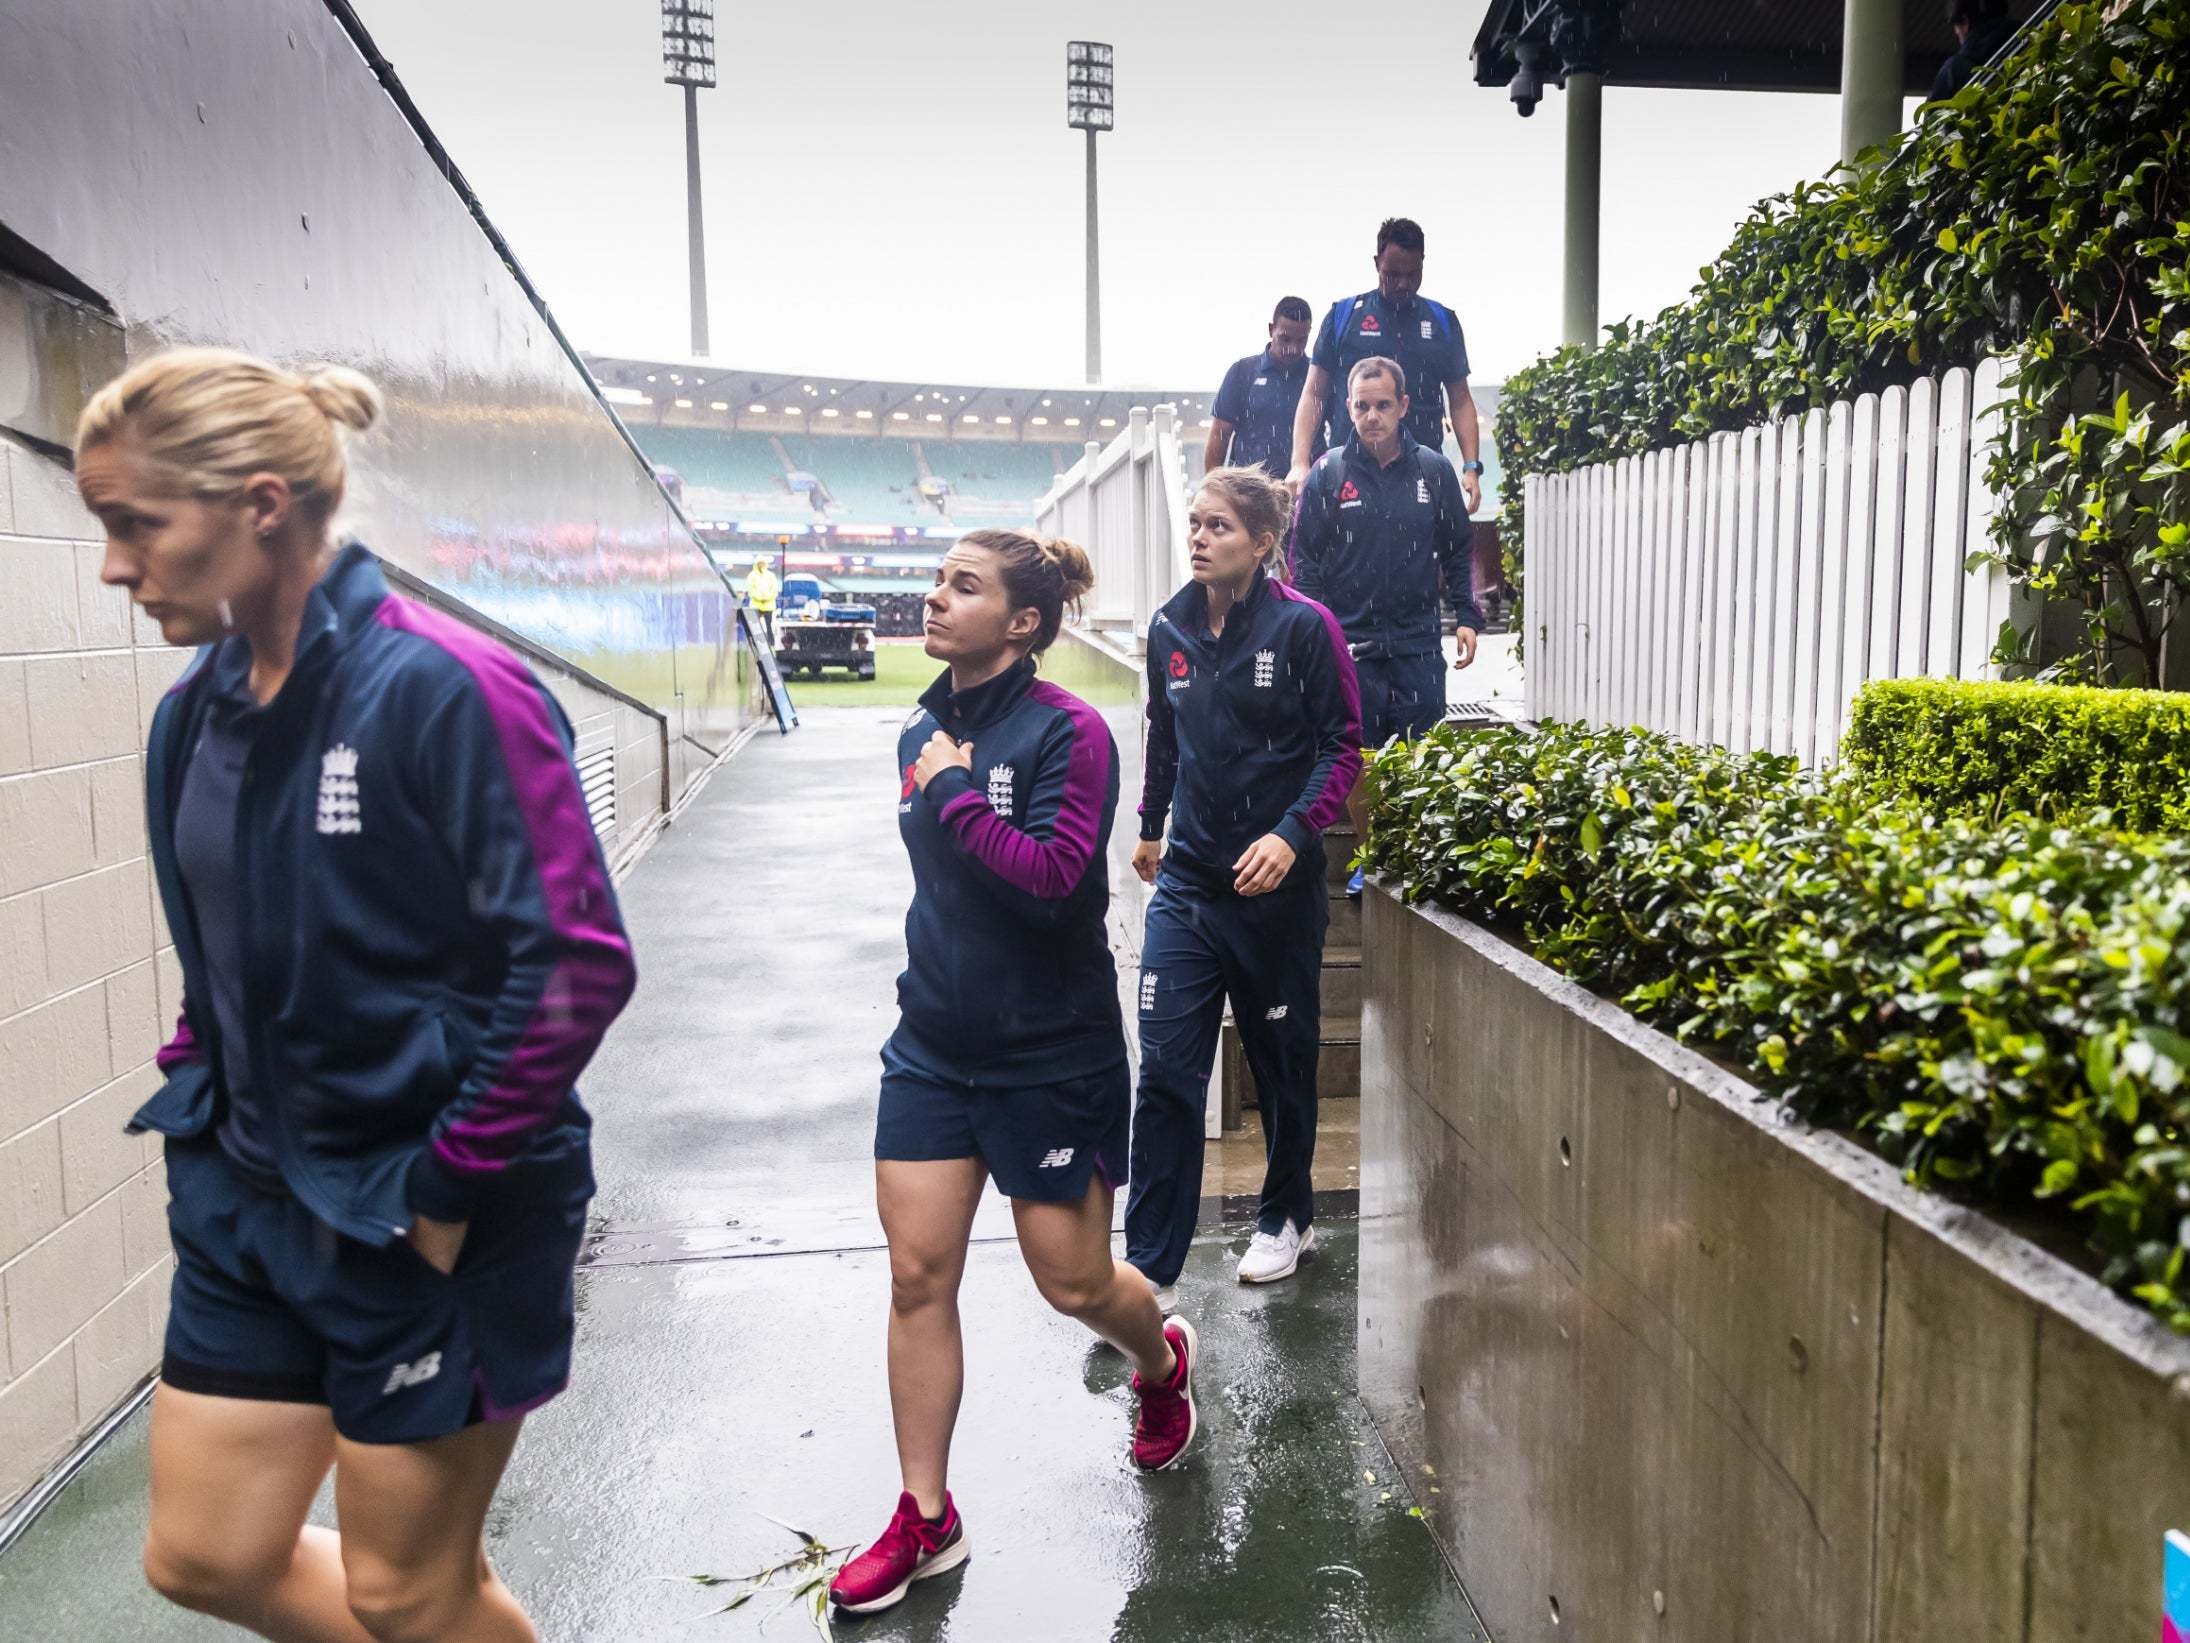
<point>1307,1243</point>
<point>1193,1409</point>
<point>1167,1298</point>
<point>941,1563</point>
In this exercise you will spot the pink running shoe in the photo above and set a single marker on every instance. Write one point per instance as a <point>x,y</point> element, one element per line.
<point>910,1549</point>
<point>1167,1422</point>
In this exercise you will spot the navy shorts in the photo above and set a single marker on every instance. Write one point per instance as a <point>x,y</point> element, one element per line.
<point>1400,696</point>
<point>1040,1141</point>
<point>272,1304</point>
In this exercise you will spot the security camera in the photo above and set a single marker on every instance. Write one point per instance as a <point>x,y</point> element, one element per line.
<point>1527,89</point>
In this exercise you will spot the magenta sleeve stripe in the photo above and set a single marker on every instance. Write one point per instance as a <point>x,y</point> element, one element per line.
<point>1053,867</point>
<point>182,1047</point>
<point>593,971</point>
<point>1330,804</point>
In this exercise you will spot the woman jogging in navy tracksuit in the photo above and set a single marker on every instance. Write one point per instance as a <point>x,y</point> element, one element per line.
<point>1009,1058</point>
<point>398,946</point>
<point>1254,732</point>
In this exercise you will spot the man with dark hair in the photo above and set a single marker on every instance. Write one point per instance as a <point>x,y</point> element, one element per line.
<point>1380,528</point>
<point>1392,322</point>
<point>1982,27</point>
<point>1251,423</point>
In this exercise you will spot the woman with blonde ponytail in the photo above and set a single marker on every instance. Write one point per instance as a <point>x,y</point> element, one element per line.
<point>1009,1058</point>
<point>398,947</point>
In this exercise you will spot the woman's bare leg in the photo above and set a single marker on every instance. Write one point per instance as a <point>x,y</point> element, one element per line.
<point>232,1480</point>
<point>413,1516</point>
<point>1067,1249</point>
<point>927,1215</point>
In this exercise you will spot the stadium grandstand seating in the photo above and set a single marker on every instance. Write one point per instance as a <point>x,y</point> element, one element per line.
<point>869,481</point>
<point>991,480</point>
<point>724,474</point>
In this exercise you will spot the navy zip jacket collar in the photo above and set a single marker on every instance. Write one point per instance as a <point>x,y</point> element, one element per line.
<point>1253,731</point>
<point>1374,541</point>
<point>431,945</point>
<point>1008,976</point>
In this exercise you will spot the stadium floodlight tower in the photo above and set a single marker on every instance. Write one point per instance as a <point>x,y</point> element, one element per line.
<point>688,54</point>
<point>1090,80</point>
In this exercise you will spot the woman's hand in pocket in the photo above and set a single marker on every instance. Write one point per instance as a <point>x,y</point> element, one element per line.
<point>438,1242</point>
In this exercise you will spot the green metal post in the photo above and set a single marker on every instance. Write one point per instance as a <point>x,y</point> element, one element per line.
<point>1870,75</point>
<point>1584,190</point>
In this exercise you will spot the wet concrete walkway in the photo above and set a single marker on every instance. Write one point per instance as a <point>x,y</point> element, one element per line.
<point>731,1325</point>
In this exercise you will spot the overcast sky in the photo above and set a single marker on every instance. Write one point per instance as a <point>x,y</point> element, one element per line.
<point>891,190</point>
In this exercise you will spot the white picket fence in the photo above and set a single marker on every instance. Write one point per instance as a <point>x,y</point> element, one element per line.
<point>1126,504</point>
<point>1741,590</point>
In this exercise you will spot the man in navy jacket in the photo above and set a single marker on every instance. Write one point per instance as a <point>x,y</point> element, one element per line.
<point>1251,423</point>
<point>1394,321</point>
<point>1382,525</point>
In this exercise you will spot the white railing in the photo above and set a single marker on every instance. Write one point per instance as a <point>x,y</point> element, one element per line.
<point>1741,590</point>
<point>1126,504</point>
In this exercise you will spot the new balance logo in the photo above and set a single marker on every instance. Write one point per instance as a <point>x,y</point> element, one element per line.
<point>338,811</point>
<point>1275,1012</point>
<point>1265,668</point>
<point>1055,1158</point>
<point>1148,990</point>
<point>412,1374</point>
<point>1000,790</point>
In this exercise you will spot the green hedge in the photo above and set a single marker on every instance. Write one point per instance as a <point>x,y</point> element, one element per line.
<point>1958,747</point>
<point>2044,214</point>
<point>1996,1005</point>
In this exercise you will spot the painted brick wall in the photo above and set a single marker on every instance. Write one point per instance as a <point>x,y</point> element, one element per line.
<point>87,978</point>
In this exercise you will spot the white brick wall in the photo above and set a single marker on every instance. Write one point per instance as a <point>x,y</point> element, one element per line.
<point>87,980</point>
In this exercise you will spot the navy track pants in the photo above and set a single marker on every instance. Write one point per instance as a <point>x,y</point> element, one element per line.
<point>1265,953</point>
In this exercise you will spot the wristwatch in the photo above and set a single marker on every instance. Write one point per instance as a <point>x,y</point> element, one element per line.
<point>1471,467</point>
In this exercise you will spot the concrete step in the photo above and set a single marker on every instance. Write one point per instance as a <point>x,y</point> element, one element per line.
<point>1338,850</point>
<point>1345,930</point>
<point>1338,1066</point>
<point>1341,982</point>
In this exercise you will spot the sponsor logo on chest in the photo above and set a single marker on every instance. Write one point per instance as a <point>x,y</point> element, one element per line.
<point>1371,326</point>
<point>338,807</point>
<point>1180,669</point>
<point>1349,495</point>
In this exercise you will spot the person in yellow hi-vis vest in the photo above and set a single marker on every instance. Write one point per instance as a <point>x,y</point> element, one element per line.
<point>761,587</point>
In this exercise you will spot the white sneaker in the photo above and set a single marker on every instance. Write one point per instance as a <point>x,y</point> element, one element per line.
<point>1274,1255</point>
<point>1167,1298</point>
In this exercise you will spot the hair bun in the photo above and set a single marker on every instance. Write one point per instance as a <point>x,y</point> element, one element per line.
<point>1072,565</point>
<point>343,396</point>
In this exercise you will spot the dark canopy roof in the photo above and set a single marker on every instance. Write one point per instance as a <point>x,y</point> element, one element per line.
<point>1714,45</point>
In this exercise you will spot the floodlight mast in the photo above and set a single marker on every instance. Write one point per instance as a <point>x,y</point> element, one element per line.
<point>688,58</point>
<point>1090,106</point>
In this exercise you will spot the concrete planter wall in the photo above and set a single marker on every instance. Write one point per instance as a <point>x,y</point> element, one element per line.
<point>1662,1365</point>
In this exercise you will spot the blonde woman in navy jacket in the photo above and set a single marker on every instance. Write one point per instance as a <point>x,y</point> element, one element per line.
<point>1254,731</point>
<point>1009,1058</point>
<point>399,947</point>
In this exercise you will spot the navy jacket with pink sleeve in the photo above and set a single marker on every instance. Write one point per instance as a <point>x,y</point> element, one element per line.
<point>1008,975</point>
<point>431,945</point>
<point>1254,731</point>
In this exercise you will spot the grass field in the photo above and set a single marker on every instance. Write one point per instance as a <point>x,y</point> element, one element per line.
<point>902,670</point>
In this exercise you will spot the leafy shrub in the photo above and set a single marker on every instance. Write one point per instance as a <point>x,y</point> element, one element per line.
<point>2000,1006</point>
<point>1956,747</point>
<point>2043,213</point>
